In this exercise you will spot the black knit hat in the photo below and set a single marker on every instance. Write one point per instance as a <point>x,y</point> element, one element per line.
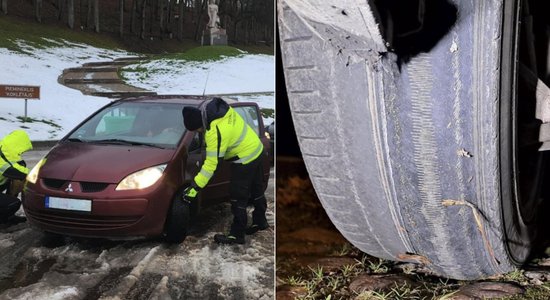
<point>192,118</point>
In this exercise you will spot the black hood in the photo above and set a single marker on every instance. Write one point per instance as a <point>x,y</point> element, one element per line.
<point>215,109</point>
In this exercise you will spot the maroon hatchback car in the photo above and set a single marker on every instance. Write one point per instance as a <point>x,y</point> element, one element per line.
<point>121,172</point>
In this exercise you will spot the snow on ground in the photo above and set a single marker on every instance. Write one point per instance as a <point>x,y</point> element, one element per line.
<point>58,105</point>
<point>60,108</point>
<point>240,74</point>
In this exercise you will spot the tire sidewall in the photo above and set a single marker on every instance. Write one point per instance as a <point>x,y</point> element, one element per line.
<point>177,220</point>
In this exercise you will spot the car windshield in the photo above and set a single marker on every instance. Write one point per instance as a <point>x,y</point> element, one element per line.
<point>134,123</point>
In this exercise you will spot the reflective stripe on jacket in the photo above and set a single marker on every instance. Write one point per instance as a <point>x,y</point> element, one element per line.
<point>12,146</point>
<point>230,138</point>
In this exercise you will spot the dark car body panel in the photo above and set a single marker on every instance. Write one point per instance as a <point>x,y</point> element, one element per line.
<point>93,172</point>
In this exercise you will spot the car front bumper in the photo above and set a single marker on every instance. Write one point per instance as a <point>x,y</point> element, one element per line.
<point>110,217</point>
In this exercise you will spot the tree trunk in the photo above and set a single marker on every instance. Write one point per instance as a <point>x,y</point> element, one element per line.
<point>89,15</point>
<point>152,14</point>
<point>161,17</point>
<point>4,6</point>
<point>38,10</point>
<point>171,6</point>
<point>121,18</point>
<point>143,4</point>
<point>96,15</point>
<point>181,19</point>
<point>81,17</point>
<point>199,19</point>
<point>60,8</point>
<point>134,16</point>
<point>70,13</point>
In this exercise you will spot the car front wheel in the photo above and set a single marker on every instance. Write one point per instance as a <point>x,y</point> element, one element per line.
<point>177,221</point>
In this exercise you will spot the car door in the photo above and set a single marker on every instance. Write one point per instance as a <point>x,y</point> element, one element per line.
<point>252,116</point>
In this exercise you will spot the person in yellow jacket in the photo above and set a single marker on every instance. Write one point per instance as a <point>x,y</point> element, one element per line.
<point>229,137</point>
<point>13,171</point>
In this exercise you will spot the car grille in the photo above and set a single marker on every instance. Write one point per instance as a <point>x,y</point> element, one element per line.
<point>92,187</point>
<point>54,183</point>
<point>86,187</point>
<point>81,221</point>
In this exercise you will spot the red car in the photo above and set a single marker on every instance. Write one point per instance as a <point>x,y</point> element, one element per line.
<point>120,173</point>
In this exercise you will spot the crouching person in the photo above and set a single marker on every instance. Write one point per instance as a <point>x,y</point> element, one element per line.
<point>13,171</point>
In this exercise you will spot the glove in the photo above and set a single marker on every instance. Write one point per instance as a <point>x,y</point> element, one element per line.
<point>190,193</point>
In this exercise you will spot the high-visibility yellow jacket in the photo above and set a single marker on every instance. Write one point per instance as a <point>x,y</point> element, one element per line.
<point>227,137</point>
<point>12,146</point>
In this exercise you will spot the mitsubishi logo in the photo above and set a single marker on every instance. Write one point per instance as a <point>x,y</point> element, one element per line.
<point>69,188</point>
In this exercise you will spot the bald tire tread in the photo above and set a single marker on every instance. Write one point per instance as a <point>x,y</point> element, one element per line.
<point>405,157</point>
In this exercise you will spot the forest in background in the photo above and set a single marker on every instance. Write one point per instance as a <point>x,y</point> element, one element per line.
<point>247,22</point>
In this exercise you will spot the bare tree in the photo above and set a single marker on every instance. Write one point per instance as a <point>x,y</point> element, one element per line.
<point>143,6</point>
<point>121,18</point>
<point>96,15</point>
<point>202,8</point>
<point>4,6</point>
<point>162,15</point>
<point>134,16</point>
<point>60,4</point>
<point>182,6</point>
<point>70,13</point>
<point>38,10</point>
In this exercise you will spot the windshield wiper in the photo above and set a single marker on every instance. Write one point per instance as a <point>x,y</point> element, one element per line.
<point>125,142</point>
<point>76,140</point>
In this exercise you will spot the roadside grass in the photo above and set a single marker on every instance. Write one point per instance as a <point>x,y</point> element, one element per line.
<point>42,36</point>
<point>14,29</point>
<point>33,120</point>
<point>203,53</point>
<point>318,283</point>
<point>267,113</point>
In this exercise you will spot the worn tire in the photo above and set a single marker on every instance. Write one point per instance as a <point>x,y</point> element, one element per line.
<point>412,157</point>
<point>177,221</point>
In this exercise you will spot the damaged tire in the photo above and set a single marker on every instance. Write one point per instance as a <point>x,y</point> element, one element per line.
<point>410,133</point>
<point>178,220</point>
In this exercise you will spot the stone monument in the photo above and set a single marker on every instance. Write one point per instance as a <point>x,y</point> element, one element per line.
<point>213,34</point>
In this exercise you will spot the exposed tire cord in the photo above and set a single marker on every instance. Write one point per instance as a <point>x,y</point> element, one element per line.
<point>386,142</point>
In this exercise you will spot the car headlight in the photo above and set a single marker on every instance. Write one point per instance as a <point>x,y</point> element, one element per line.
<point>32,177</point>
<point>141,179</point>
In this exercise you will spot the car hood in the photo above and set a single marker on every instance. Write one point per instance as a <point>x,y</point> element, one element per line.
<point>100,163</point>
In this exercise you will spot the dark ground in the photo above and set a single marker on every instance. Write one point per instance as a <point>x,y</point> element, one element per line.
<point>314,261</point>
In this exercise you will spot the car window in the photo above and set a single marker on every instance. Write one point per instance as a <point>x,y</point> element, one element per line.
<point>158,124</point>
<point>250,116</point>
<point>196,142</point>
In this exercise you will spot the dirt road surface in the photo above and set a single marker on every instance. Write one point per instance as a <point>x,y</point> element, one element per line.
<point>37,265</point>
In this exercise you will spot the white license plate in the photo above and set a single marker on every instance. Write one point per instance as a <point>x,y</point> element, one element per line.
<point>68,203</point>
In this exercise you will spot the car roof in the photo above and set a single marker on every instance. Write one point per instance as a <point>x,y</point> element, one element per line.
<point>180,99</point>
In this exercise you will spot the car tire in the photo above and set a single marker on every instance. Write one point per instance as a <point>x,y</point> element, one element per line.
<point>177,221</point>
<point>412,152</point>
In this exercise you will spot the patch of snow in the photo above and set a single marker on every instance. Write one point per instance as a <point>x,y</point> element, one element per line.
<point>245,73</point>
<point>58,104</point>
<point>61,108</point>
<point>43,291</point>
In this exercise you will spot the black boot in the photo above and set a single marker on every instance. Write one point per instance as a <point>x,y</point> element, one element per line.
<point>255,228</point>
<point>228,239</point>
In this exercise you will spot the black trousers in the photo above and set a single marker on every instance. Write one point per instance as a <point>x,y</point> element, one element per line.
<point>247,184</point>
<point>9,205</point>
